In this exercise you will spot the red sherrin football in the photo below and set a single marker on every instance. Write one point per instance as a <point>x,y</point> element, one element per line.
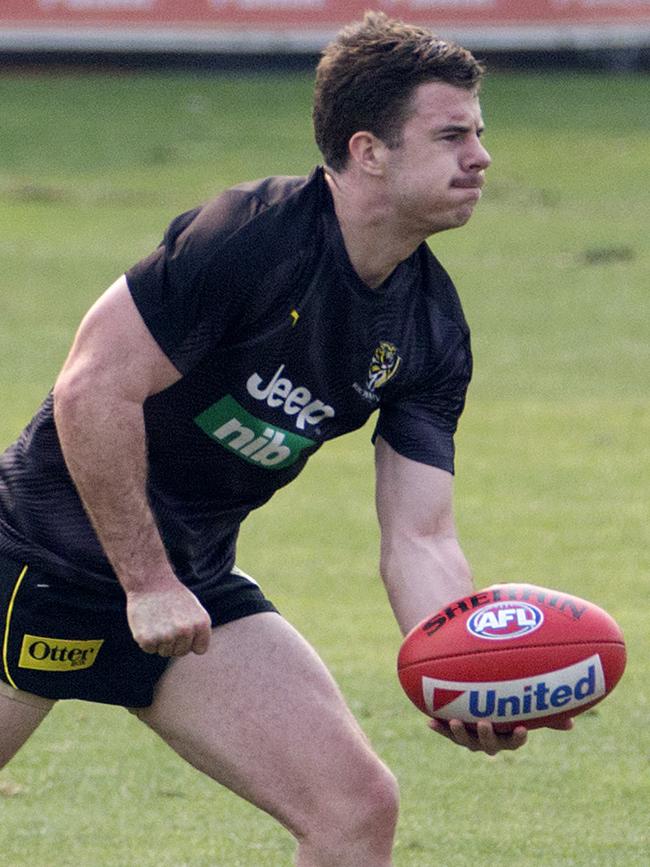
<point>514,654</point>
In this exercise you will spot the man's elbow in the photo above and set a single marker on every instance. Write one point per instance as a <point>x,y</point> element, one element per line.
<point>83,395</point>
<point>71,392</point>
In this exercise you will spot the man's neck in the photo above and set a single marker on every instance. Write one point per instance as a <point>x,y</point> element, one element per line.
<point>373,242</point>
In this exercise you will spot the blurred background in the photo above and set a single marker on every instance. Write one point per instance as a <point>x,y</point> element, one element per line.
<point>602,34</point>
<point>115,116</point>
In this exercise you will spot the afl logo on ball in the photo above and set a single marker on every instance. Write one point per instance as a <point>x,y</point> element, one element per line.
<point>505,620</point>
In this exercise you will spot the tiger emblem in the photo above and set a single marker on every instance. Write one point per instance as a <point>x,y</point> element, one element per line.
<point>384,365</point>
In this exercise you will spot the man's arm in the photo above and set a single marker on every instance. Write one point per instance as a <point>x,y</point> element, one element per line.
<point>113,366</point>
<point>422,564</point>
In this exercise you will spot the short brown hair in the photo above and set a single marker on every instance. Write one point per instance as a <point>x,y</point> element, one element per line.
<point>367,75</point>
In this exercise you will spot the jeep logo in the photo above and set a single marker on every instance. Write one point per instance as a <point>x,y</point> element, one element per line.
<point>297,401</point>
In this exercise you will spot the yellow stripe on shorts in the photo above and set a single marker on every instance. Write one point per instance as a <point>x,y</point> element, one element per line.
<point>5,642</point>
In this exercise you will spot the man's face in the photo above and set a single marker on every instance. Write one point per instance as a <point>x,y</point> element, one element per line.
<point>434,177</point>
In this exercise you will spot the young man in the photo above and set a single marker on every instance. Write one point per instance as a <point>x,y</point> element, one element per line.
<point>199,384</point>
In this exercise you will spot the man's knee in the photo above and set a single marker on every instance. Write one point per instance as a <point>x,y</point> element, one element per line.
<point>379,801</point>
<point>359,815</point>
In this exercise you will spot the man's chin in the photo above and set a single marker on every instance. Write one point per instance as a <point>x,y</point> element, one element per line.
<point>456,220</point>
<point>464,214</point>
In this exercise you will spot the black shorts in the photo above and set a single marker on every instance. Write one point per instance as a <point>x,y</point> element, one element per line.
<point>64,640</point>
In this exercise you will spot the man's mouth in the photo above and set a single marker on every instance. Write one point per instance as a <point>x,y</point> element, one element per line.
<point>473,183</point>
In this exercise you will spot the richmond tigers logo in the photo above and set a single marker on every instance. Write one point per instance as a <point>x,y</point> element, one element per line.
<point>383,366</point>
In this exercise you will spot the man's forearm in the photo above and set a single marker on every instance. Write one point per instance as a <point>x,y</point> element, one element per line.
<point>422,575</point>
<point>103,442</point>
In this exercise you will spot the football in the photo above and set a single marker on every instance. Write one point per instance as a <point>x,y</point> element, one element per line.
<point>513,654</point>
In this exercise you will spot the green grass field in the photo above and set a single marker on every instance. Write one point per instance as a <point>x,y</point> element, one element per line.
<point>553,467</point>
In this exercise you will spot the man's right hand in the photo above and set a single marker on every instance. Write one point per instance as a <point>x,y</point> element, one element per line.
<point>484,738</point>
<point>169,622</point>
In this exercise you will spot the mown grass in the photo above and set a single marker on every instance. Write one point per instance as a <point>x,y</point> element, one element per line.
<point>553,457</point>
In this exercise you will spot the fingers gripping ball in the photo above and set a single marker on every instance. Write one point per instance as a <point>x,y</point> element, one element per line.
<point>513,654</point>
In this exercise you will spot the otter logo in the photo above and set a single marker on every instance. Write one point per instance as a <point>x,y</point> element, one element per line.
<point>57,654</point>
<point>384,365</point>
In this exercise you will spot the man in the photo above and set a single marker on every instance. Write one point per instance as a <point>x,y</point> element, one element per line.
<point>198,384</point>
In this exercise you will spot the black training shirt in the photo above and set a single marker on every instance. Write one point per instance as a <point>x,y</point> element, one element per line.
<point>281,347</point>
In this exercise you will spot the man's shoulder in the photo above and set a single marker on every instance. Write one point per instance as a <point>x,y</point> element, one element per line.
<point>266,210</point>
<point>276,189</point>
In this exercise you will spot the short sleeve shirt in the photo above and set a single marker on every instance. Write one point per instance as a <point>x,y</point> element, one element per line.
<point>281,347</point>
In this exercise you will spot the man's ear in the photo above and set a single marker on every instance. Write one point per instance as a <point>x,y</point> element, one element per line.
<point>368,152</point>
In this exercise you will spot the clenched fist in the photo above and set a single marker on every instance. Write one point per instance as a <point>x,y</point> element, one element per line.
<point>169,622</point>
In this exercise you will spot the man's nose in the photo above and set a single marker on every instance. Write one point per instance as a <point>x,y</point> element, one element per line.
<point>478,159</point>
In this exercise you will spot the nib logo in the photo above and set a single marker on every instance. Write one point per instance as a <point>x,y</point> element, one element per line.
<point>537,696</point>
<point>252,439</point>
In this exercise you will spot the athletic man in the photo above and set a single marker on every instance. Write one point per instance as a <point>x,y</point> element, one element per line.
<point>200,383</point>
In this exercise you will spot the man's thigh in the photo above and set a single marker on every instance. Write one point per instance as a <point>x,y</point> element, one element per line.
<point>20,714</point>
<point>260,713</point>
